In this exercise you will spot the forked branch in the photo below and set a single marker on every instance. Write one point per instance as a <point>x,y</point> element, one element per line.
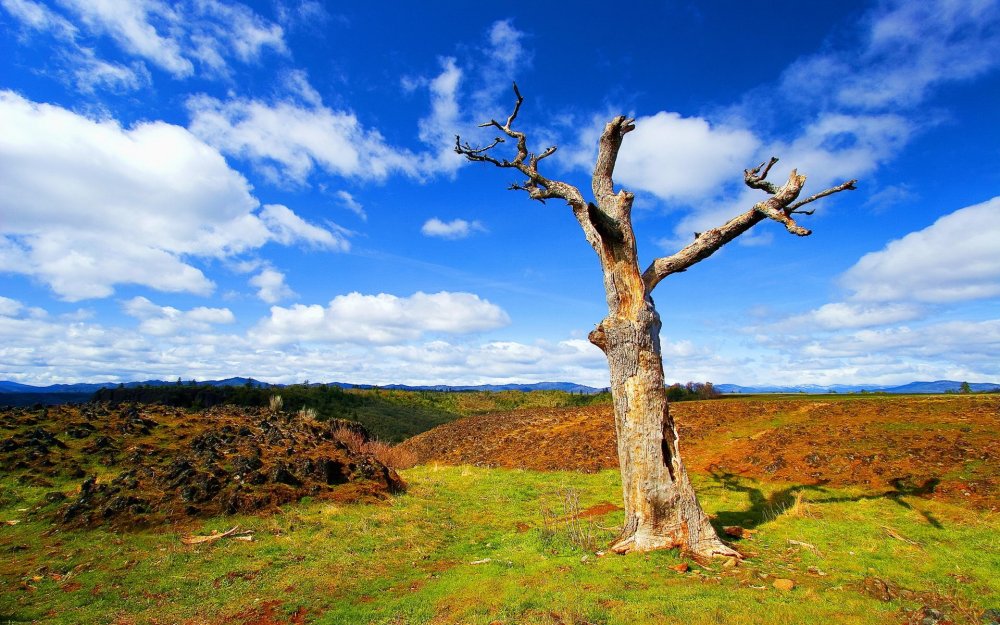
<point>537,186</point>
<point>779,207</point>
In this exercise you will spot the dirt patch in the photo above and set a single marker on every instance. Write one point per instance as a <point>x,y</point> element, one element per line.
<point>168,464</point>
<point>936,447</point>
<point>600,509</point>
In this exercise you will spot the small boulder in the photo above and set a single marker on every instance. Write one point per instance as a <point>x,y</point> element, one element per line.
<point>784,584</point>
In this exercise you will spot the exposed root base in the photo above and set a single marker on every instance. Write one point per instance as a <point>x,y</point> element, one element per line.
<point>703,552</point>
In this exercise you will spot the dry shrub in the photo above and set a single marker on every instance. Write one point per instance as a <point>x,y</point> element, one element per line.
<point>569,526</point>
<point>392,456</point>
<point>308,414</point>
<point>354,440</point>
<point>275,403</point>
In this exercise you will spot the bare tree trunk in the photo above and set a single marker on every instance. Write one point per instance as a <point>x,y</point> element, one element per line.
<point>661,508</point>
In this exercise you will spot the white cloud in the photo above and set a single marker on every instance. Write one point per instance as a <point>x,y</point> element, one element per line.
<point>169,321</point>
<point>130,24</point>
<point>295,139</point>
<point>912,46</point>
<point>85,70</point>
<point>174,36</point>
<point>837,147</point>
<point>287,228</point>
<point>51,351</point>
<point>953,259</point>
<point>271,286</point>
<point>9,307</point>
<point>89,204</point>
<point>673,157</point>
<point>454,229</point>
<point>887,197</point>
<point>841,315</point>
<point>40,17</point>
<point>439,128</point>
<point>379,319</point>
<point>352,204</point>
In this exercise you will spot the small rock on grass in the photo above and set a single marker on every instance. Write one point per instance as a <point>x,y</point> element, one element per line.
<point>784,584</point>
<point>683,567</point>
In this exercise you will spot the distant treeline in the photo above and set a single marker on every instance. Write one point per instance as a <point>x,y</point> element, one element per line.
<point>387,420</point>
<point>390,415</point>
<point>691,391</point>
<point>46,399</point>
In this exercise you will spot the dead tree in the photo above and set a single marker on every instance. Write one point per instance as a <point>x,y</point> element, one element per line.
<point>661,508</point>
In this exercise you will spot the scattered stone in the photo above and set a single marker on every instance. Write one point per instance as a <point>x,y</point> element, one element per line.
<point>783,584</point>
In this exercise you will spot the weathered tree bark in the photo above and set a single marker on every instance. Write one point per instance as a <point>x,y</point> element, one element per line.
<point>661,508</point>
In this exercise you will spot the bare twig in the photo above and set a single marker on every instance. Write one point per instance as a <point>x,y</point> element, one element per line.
<point>845,186</point>
<point>211,538</point>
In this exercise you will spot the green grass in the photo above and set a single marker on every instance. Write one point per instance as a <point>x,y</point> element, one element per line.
<point>410,561</point>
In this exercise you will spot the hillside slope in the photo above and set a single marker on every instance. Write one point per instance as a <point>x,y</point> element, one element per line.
<point>941,447</point>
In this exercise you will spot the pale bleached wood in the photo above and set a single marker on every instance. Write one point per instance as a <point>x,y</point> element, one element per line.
<point>661,507</point>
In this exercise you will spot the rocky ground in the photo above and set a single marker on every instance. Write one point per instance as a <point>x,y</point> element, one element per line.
<point>938,447</point>
<point>134,465</point>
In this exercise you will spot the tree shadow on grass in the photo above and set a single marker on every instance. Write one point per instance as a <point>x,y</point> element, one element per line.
<point>767,507</point>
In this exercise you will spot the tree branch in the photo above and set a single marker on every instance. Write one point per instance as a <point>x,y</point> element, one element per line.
<point>779,207</point>
<point>537,186</point>
<point>845,186</point>
<point>607,155</point>
<point>755,178</point>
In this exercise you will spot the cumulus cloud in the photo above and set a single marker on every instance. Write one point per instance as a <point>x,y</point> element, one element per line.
<point>171,343</point>
<point>673,157</point>
<point>271,286</point>
<point>454,229</point>
<point>380,319</point>
<point>953,259</point>
<point>90,204</point>
<point>168,321</point>
<point>841,315</point>
<point>891,328</point>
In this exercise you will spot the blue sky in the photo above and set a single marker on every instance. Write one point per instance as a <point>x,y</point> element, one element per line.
<point>206,188</point>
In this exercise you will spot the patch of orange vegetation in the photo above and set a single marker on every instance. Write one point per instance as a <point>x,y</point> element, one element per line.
<point>605,507</point>
<point>936,446</point>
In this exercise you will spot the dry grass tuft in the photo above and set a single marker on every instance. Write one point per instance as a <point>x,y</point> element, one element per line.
<point>308,414</point>
<point>275,403</point>
<point>354,440</point>
<point>392,456</point>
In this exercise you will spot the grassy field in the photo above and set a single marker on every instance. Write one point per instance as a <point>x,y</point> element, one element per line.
<point>481,546</point>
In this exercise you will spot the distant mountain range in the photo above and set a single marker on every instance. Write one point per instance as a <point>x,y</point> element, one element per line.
<point>939,386</point>
<point>569,387</point>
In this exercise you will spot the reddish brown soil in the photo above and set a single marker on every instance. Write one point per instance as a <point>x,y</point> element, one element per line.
<point>164,464</point>
<point>937,446</point>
